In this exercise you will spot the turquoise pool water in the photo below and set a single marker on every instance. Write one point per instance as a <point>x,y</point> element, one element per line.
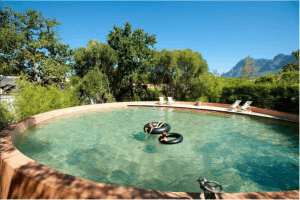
<point>243,154</point>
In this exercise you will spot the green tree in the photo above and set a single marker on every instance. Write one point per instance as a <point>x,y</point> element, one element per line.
<point>163,65</point>
<point>29,44</point>
<point>190,65</point>
<point>292,66</point>
<point>249,69</point>
<point>177,70</point>
<point>207,88</point>
<point>95,55</point>
<point>133,51</point>
<point>94,83</point>
<point>11,41</point>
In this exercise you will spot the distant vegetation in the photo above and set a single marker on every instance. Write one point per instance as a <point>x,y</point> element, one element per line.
<point>120,70</point>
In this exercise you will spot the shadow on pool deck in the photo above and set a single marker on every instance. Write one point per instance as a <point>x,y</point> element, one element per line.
<point>22,186</point>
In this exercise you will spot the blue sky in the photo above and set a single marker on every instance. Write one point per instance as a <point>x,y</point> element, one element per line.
<point>224,32</point>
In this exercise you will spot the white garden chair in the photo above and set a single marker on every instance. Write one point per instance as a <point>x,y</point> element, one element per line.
<point>162,101</point>
<point>235,105</point>
<point>245,106</point>
<point>170,100</point>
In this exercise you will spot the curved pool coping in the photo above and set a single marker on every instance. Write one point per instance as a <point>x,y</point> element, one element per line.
<point>24,178</point>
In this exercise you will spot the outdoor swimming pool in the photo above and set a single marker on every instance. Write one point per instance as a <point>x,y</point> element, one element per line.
<point>243,154</point>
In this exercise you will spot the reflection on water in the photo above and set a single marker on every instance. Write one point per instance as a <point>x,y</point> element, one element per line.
<point>244,154</point>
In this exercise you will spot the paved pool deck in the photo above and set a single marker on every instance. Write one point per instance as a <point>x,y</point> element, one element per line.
<point>211,108</point>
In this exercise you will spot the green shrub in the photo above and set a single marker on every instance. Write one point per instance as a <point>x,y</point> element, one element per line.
<point>7,116</point>
<point>289,78</point>
<point>270,78</point>
<point>152,94</point>
<point>34,99</point>
<point>279,97</point>
<point>203,99</point>
<point>110,99</point>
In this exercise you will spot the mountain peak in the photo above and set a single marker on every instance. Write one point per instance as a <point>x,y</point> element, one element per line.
<point>279,56</point>
<point>265,66</point>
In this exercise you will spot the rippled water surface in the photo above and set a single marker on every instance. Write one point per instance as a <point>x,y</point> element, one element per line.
<point>243,154</point>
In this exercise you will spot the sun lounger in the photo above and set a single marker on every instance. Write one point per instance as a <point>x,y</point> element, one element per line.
<point>162,101</point>
<point>170,100</point>
<point>245,106</point>
<point>235,105</point>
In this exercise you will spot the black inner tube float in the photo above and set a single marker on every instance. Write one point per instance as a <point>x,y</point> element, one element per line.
<point>178,139</point>
<point>160,130</point>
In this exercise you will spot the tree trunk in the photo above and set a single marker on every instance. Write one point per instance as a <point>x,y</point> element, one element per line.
<point>96,62</point>
<point>131,89</point>
<point>35,71</point>
<point>108,88</point>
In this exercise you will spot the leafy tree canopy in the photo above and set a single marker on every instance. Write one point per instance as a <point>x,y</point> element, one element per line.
<point>190,64</point>
<point>29,44</point>
<point>95,83</point>
<point>183,65</point>
<point>95,55</point>
<point>270,78</point>
<point>163,66</point>
<point>132,49</point>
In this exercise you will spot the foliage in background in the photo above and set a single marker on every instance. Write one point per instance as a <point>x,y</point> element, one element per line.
<point>290,77</point>
<point>270,78</point>
<point>122,68</point>
<point>93,84</point>
<point>7,115</point>
<point>275,91</point>
<point>274,97</point>
<point>176,71</point>
<point>132,49</point>
<point>292,66</point>
<point>142,93</point>
<point>34,99</point>
<point>95,55</point>
<point>29,44</point>
<point>249,68</point>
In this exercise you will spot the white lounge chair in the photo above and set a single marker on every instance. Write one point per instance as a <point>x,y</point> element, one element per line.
<point>235,104</point>
<point>246,105</point>
<point>170,100</point>
<point>162,100</point>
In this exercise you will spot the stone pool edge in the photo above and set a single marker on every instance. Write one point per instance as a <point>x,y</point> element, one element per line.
<point>24,178</point>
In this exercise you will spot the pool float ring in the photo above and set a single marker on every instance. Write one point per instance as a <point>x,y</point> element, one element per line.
<point>178,139</point>
<point>160,130</point>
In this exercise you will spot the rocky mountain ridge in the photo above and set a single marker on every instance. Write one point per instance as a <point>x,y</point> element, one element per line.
<point>265,66</point>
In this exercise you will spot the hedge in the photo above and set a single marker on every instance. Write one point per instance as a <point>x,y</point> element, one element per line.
<point>281,97</point>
